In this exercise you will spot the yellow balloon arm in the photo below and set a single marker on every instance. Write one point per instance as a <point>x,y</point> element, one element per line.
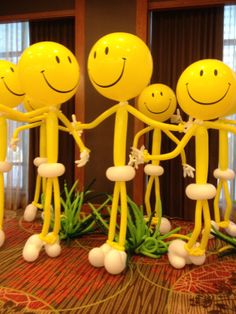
<point>73,132</point>
<point>179,148</point>
<point>24,127</point>
<point>98,120</point>
<point>220,126</point>
<point>13,114</point>
<point>63,129</point>
<point>139,134</point>
<point>154,123</point>
<point>228,121</point>
<point>176,141</point>
<point>37,112</point>
<point>38,118</point>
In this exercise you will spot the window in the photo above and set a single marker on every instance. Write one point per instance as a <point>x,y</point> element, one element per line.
<point>229,57</point>
<point>14,38</point>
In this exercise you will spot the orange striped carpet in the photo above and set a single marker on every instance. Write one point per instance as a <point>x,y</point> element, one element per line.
<point>68,284</point>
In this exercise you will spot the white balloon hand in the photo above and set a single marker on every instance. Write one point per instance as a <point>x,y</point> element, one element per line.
<point>190,123</point>
<point>14,143</point>
<point>75,124</point>
<point>84,158</point>
<point>188,171</point>
<point>176,118</point>
<point>136,157</point>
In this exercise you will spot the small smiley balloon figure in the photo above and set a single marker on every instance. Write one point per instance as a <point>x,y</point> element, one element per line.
<point>206,90</point>
<point>49,73</point>
<point>119,67</point>
<point>158,102</point>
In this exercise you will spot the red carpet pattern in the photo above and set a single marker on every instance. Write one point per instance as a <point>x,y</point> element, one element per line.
<point>69,284</point>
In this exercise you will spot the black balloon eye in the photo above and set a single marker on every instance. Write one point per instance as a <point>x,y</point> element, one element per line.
<point>201,73</point>
<point>57,59</point>
<point>106,50</point>
<point>161,93</point>
<point>94,54</point>
<point>152,94</point>
<point>215,72</point>
<point>12,69</point>
<point>69,59</point>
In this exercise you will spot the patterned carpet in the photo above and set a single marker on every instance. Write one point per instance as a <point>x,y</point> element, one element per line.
<point>68,284</point>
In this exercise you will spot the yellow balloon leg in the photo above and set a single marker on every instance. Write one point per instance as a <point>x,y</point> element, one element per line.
<point>222,183</point>
<point>40,182</point>
<point>124,214</point>
<point>207,226</point>
<point>57,207</point>
<point>148,195</point>
<point>47,209</point>
<point>158,209</point>
<point>3,152</point>
<point>37,192</point>
<point>113,216</point>
<point>197,226</point>
<point>228,201</point>
<point>119,193</point>
<point>216,202</point>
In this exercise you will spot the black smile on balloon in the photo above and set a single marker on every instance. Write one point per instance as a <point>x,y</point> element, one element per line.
<point>55,89</point>
<point>9,89</point>
<point>116,81</point>
<point>208,103</point>
<point>29,105</point>
<point>158,112</point>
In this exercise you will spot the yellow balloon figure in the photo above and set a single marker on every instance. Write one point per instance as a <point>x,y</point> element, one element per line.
<point>119,67</point>
<point>206,90</point>
<point>49,73</point>
<point>158,102</point>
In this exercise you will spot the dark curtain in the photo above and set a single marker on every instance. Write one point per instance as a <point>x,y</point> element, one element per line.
<point>178,39</point>
<point>63,32</point>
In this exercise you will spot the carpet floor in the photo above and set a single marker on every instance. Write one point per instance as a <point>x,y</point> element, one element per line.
<point>69,284</point>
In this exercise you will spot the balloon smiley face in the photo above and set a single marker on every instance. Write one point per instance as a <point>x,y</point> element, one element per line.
<point>157,101</point>
<point>207,89</point>
<point>11,94</point>
<point>120,66</point>
<point>49,73</point>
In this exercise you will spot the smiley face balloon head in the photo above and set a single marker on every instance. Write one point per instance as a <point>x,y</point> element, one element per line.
<point>207,89</point>
<point>11,93</point>
<point>120,66</point>
<point>157,101</point>
<point>49,73</point>
<point>233,109</point>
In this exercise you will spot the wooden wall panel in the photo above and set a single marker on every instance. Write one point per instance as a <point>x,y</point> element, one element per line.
<point>180,4</point>
<point>16,7</point>
<point>108,16</point>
